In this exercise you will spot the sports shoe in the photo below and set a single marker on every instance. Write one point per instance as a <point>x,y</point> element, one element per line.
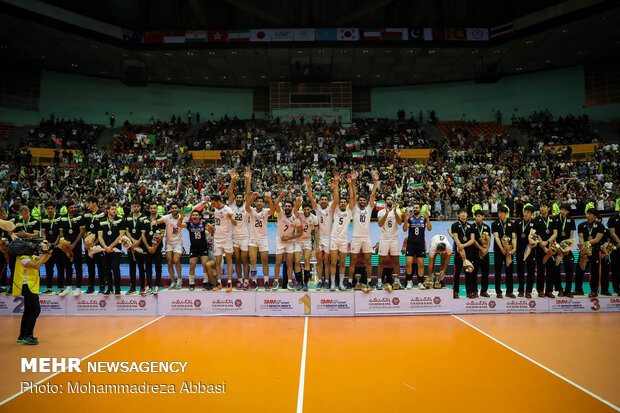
<point>319,285</point>
<point>387,287</point>
<point>117,292</point>
<point>591,295</point>
<point>131,291</point>
<point>218,287</point>
<point>102,290</point>
<point>484,294</point>
<point>146,291</point>
<point>66,291</point>
<point>191,287</point>
<point>305,287</point>
<point>108,291</point>
<point>245,286</point>
<point>2,290</point>
<point>59,290</point>
<point>31,341</point>
<point>155,290</point>
<point>521,295</point>
<point>77,292</point>
<point>342,287</point>
<point>409,285</point>
<point>299,287</point>
<point>47,291</point>
<point>266,285</point>
<point>290,286</point>
<point>528,295</point>
<point>207,286</point>
<point>179,284</point>
<point>379,285</point>
<point>606,293</point>
<point>253,285</point>
<point>421,286</point>
<point>333,287</point>
<point>239,285</point>
<point>578,292</point>
<point>90,290</point>
<point>511,295</point>
<point>275,285</point>
<point>229,287</point>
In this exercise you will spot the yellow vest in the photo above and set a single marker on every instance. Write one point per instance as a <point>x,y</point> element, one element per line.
<point>32,276</point>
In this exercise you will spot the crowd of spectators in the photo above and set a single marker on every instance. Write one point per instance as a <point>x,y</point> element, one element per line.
<point>542,129</point>
<point>62,134</point>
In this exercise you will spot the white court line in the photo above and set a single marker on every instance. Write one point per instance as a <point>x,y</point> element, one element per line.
<point>412,388</point>
<point>613,406</point>
<point>302,371</point>
<point>84,358</point>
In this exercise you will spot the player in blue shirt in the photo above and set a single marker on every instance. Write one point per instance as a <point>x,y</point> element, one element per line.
<point>416,224</point>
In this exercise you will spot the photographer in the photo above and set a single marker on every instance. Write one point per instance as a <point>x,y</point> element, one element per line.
<point>26,283</point>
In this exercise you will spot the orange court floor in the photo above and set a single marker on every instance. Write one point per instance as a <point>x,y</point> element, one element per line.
<point>509,363</point>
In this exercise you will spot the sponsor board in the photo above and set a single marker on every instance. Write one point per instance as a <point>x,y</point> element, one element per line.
<point>283,303</point>
<point>111,305</point>
<point>584,304</point>
<point>339,304</point>
<point>404,302</point>
<point>50,304</point>
<point>181,303</point>
<point>228,303</point>
<point>480,306</point>
<point>527,305</point>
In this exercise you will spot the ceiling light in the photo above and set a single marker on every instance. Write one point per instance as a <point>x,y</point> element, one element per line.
<point>206,77</point>
<point>42,57</point>
<point>519,68</point>
<point>211,53</point>
<point>74,65</point>
<point>234,52</point>
<point>548,61</point>
<point>168,78</point>
<point>565,31</point>
<point>125,55</point>
<point>431,52</point>
<point>529,42</point>
<point>475,51</point>
<point>377,75</point>
<point>263,76</point>
<point>224,77</point>
<point>146,54</point>
<point>410,51</point>
<point>497,51</point>
<point>300,51</point>
<point>168,54</point>
<point>244,77</point>
<point>358,76</point>
<point>190,53</point>
<point>321,51</point>
<point>343,51</point>
<point>365,51</point>
<point>387,51</point>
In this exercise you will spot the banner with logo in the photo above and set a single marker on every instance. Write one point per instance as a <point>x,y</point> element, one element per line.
<point>527,305</point>
<point>480,306</point>
<point>584,305</point>
<point>50,305</point>
<point>285,303</point>
<point>404,302</point>
<point>224,303</point>
<point>111,305</point>
<point>330,304</point>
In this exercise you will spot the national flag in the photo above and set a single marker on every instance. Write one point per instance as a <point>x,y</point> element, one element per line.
<point>416,33</point>
<point>477,34</point>
<point>358,155</point>
<point>161,158</point>
<point>456,34</point>
<point>199,36</point>
<point>379,205</point>
<point>416,187</point>
<point>260,35</point>
<point>174,37</point>
<point>217,35</point>
<point>303,35</point>
<point>22,172</point>
<point>350,144</point>
<point>326,34</point>
<point>348,34</point>
<point>431,33</point>
<point>371,34</point>
<point>394,34</point>
<point>238,35</point>
<point>153,37</point>
<point>282,35</point>
<point>502,30</point>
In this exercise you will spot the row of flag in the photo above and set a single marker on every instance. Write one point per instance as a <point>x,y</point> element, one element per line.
<point>325,34</point>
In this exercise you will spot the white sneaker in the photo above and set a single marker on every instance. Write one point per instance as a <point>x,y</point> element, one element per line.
<point>77,292</point>
<point>409,285</point>
<point>179,284</point>
<point>147,291</point>
<point>66,291</point>
<point>155,290</point>
<point>421,286</point>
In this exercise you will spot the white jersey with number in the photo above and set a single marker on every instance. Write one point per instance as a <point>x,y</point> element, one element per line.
<point>340,228</point>
<point>173,232</point>
<point>307,223</point>
<point>389,230</point>
<point>242,217</point>
<point>438,239</point>
<point>221,222</point>
<point>361,221</point>
<point>325,217</point>
<point>258,224</point>
<point>286,225</point>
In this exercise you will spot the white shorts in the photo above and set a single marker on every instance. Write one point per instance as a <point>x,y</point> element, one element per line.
<point>261,243</point>
<point>297,246</point>
<point>241,242</point>
<point>221,247</point>
<point>324,244</point>
<point>362,244</point>
<point>174,247</point>
<point>389,247</point>
<point>304,244</point>
<point>341,245</point>
<point>282,247</point>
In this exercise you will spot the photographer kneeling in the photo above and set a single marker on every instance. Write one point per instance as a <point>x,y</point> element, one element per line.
<point>26,283</point>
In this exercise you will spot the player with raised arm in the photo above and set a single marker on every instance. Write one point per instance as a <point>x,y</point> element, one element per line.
<point>289,229</point>
<point>223,221</point>
<point>258,243</point>
<point>309,223</point>
<point>174,244</point>
<point>199,247</point>
<point>241,234</point>
<point>340,235</point>
<point>325,215</point>
<point>417,225</point>
<point>360,240</point>
<point>389,219</point>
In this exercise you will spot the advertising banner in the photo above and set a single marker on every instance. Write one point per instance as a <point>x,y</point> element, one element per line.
<point>404,302</point>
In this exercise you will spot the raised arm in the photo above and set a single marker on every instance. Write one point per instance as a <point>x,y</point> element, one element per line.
<point>383,217</point>
<point>231,187</point>
<point>310,196</point>
<point>335,187</point>
<point>248,189</point>
<point>272,208</point>
<point>278,200</point>
<point>296,207</point>
<point>399,220</point>
<point>427,218</point>
<point>352,194</point>
<point>180,222</point>
<point>375,178</point>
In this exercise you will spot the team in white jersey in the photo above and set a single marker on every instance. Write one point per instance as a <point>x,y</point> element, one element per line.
<point>223,222</point>
<point>309,224</point>
<point>174,244</point>
<point>241,235</point>
<point>289,229</point>
<point>389,220</point>
<point>340,233</point>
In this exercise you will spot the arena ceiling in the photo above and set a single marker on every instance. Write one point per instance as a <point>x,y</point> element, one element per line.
<point>588,38</point>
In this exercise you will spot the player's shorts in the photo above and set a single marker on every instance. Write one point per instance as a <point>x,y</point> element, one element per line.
<point>198,251</point>
<point>416,250</point>
<point>342,245</point>
<point>324,243</point>
<point>389,247</point>
<point>304,244</point>
<point>261,243</point>
<point>362,244</point>
<point>282,247</point>
<point>241,242</point>
<point>174,247</point>
<point>221,247</point>
<point>297,246</point>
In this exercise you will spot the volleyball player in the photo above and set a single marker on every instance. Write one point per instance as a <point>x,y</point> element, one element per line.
<point>440,244</point>
<point>241,236</point>
<point>325,215</point>
<point>174,244</point>
<point>566,226</point>
<point>614,232</point>
<point>199,247</point>
<point>289,229</point>
<point>546,229</point>
<point>303,245</point>
<point>523,230</point>
<point>388,219</point>
<point>258,243</point>
<point>50,231</point>
<point>133,229</point>
<point>111,229</point>
<point>152,238</point>
<point>360,239</point>
<point>590,231</point>
<point>482,257</point>
<point>339,239</point>
<point>223,221</point>
<point>72,230</point>
<point>416,225</point>
<point>94,264</point>
<point>463,235</point>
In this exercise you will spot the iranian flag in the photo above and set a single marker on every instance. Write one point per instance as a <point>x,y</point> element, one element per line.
<point>196,36</point>
<point>350,144</point>
<point>238,35</point>
<point>161,158</point>
<point>416,187</point>
<point>358,155</point>
<point>379,205</point>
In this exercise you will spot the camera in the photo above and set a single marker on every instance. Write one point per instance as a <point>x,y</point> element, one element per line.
<point>33,246</point>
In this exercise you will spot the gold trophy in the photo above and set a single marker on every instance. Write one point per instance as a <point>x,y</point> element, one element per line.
<point>506,243</point>
<point>358,284</point>
<point>437,278</point>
